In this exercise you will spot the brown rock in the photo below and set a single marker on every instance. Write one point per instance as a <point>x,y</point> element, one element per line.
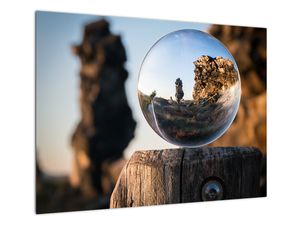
<point>211,76</point>
<point>106,126</point>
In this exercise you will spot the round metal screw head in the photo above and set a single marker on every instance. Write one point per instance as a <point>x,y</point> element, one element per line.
<point>212,190</point>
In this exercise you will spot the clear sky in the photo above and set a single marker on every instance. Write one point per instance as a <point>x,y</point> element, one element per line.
<point>57,72</point>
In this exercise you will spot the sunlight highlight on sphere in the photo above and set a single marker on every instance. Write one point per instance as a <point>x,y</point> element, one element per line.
<point>189,88</point>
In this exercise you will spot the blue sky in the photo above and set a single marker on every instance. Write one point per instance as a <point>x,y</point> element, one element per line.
<point>57,71</point>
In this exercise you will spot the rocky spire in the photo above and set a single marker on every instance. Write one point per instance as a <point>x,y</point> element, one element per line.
<point>106,126</point>
<point>179,92</point>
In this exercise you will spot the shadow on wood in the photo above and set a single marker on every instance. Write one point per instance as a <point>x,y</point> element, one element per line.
<point>188,175</point>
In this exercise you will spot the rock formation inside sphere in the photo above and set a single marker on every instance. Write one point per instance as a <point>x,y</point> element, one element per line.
<point>212,75</point>
<point>179,92</point>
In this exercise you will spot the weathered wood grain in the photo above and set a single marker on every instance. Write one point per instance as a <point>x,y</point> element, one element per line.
<point>178,175</point>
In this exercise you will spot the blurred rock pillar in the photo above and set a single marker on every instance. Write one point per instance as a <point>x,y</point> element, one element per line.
<point>106,126</point>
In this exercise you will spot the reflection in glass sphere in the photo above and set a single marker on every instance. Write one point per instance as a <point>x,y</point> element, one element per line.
<point>189,88</point>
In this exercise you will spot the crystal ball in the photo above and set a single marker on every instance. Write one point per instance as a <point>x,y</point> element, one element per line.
<point>189,88</point>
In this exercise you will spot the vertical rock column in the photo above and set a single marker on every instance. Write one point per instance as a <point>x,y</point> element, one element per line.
<point>106,126</point>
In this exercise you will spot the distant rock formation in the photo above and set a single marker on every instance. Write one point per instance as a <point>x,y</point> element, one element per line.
<point>179,92</point>
<point>106,126</point>
<point>212,75</point>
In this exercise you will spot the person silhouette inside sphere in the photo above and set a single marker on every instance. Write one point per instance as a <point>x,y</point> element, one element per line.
<point>179,92</point>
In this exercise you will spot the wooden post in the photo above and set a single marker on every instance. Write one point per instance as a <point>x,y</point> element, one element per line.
<point>168,176</point>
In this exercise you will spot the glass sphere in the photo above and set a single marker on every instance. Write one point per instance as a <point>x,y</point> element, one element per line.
<point>189,88</point>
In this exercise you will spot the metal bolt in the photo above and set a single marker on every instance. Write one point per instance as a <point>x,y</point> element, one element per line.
<point>212,190</point>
